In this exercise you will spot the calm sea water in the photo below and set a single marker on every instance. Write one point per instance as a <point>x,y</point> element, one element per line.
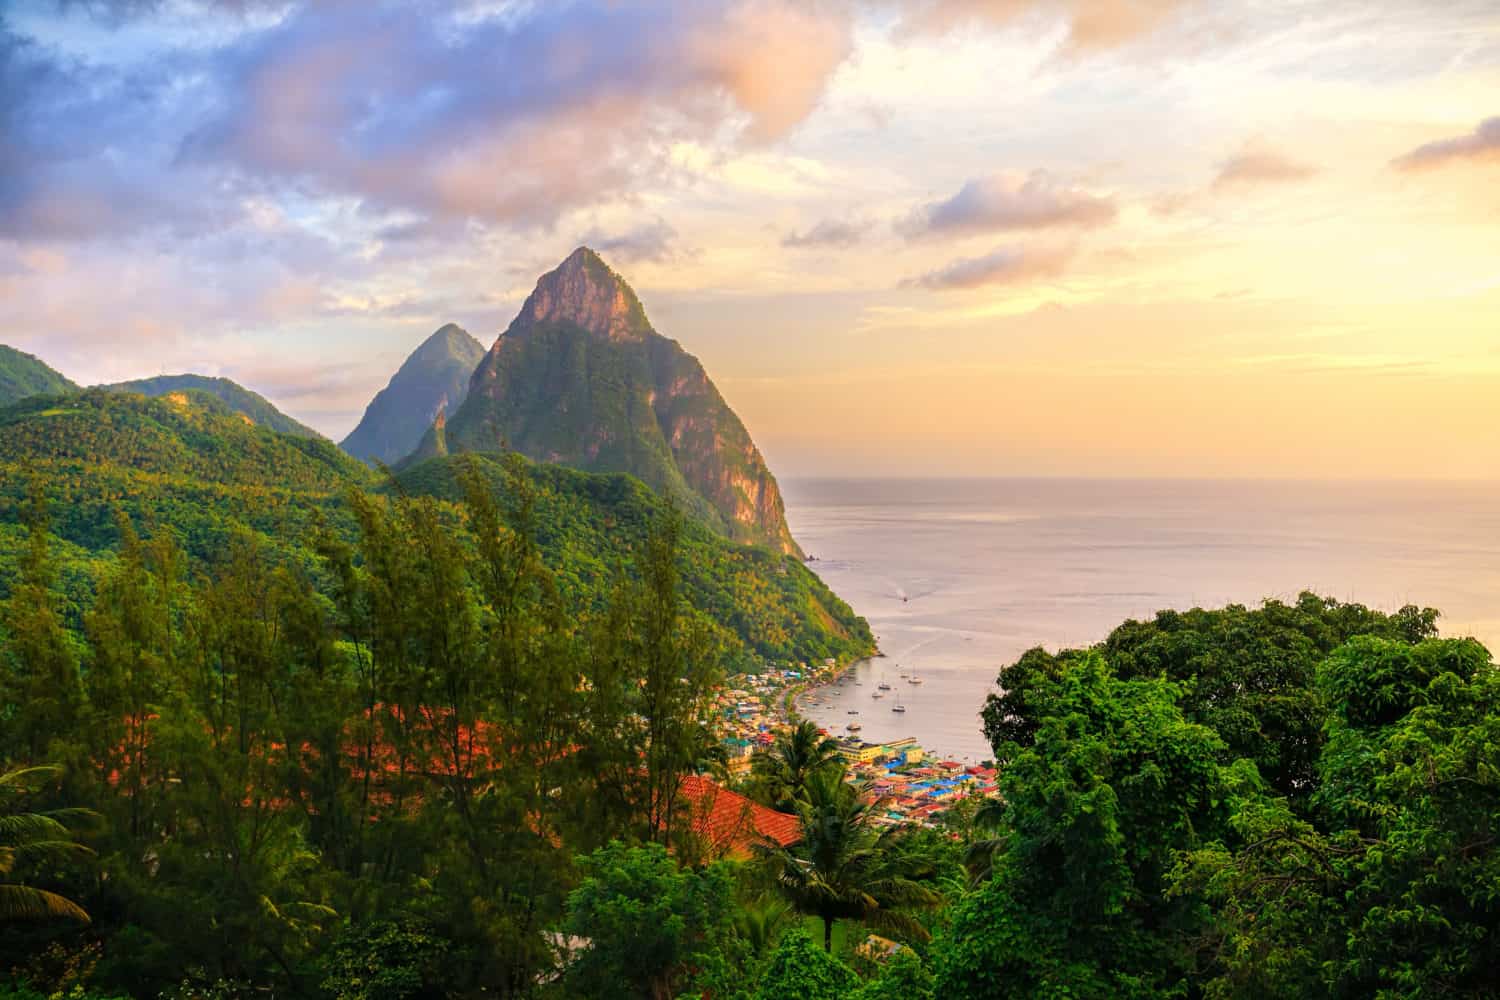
<point>958,577</point>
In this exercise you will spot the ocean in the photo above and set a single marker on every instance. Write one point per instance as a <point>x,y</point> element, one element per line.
<point>958,577</point>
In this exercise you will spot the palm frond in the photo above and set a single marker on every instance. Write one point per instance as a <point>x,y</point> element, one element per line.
<point>28,777</point>
<point>33,849</point>
<point>20,828</point>
<point>21,902</point>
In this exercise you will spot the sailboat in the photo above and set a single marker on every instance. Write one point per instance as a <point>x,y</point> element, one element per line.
<point>898,707</point>
<point>914,679</point>
<point>877,694</point>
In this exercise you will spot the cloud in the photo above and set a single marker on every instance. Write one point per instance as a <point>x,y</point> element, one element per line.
<point>1005,266</point>
<point>82,154</point>
<point>510,115</point>
<point>1000,202</point>
<point>1092,25</point>
<point>1479,146</point>
<point>828,233</point>
<point>1254,167</point>
<point>652,241</point>
<point>506,120</point>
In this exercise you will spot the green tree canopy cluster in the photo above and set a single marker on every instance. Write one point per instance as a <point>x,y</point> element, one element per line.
<point>1293,801</point>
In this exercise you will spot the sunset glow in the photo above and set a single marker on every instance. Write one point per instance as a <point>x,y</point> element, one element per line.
<point>961,237</point>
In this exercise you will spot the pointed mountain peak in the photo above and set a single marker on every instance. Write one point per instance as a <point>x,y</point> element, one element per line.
<point>446,341</point>
<point>584,292</point>
<point>430,383</point>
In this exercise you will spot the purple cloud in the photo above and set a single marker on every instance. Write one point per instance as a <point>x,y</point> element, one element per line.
<point>437,112</point>
<point>652,241</point>
<point>828,233</point>
<point>1000,203</point>
<point>1005,266</point>
<point>1480,146</point>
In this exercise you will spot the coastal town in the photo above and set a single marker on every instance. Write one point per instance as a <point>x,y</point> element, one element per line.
<point>912,785</point>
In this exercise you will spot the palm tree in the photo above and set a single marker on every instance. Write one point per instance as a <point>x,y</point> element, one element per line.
<point>759,923</point>
<point>798,754</point>
<point>847,868</point>
<point>30,835</point>
<point>980,857</point>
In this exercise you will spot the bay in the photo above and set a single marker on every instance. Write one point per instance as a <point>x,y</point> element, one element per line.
<point>958,577</point>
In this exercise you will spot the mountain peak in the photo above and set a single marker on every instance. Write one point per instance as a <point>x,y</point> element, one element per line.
<point>580,378</point>
<point>584,292</point>
<point>430,383</point>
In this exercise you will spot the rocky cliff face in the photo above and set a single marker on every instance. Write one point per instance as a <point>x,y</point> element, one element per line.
<point>430,383</point>
<point>580,378</point>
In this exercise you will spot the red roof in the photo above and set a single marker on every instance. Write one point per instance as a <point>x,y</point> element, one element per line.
<point>729,823</point>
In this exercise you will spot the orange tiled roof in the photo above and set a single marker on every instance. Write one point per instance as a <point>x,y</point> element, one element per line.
<point>729,823</point>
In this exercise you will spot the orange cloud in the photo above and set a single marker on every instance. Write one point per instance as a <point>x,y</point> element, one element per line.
<point>1092,24</point>
<point>1253,167</point>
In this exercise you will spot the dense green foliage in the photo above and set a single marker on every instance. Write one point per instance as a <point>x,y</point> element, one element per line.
<point>1141,850</point>
<point>427,745</point>
<point>1246,674</point>
<point>434,379</point>
<point>195,469</point>
<point>26,837</point>
<point>272,726</point>
<point>590,526</point>
<point>845,867</point>
<point>799,968</point>
<point>187,435</point>
<point>782,772</point>
<point>23,375</point>
<point>651,925</point>
<point>250,405</point>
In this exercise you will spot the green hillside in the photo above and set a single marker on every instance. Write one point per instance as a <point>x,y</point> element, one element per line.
<point>23,375</point>
<point>239,399</point>
<point>189,464</point>
<point>186,433</point>
<point>590,525</point>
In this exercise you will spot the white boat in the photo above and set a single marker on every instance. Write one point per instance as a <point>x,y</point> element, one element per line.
<point>877,694</point>
<point>914,679</point>
<point>898,707</point>
<point>884,686</point>
<point>854,727</point>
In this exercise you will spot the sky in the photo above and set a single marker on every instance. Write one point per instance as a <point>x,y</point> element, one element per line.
<point>905,237</point>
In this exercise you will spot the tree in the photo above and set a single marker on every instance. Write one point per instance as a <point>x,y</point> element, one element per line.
<point>654,667</point>
<point>988,818</point>
<point>901,977</point>
<point>797,968</point>
<point>1392,889</point>
<point>1113,786</point>
<point>798,752</point>
<point>27,837</point>
<point>41,694</point>
<point>1247,674</point>
<point>648,923</point>
<point>844,867</point>
<point>385,960</point>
